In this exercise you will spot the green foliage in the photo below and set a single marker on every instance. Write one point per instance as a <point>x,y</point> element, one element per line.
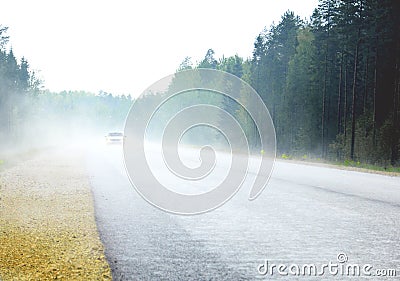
<point>17,83</point>
<point>331,84</point>
<point>186,64</point>
<point>286,156</point>
<point>209,60</point>
<point>233,65</point>
<point>367,166</point>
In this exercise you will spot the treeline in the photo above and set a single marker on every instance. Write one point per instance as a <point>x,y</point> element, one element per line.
<point>80,113</point>
<point>332,84</point>
<point>31,116</point>
<point>16,82</point>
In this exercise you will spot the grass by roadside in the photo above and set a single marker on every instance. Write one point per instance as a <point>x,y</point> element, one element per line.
<point>345,165</point>
<point>47,224</point>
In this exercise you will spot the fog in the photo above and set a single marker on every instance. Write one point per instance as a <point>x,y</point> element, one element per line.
<point>59,120</point>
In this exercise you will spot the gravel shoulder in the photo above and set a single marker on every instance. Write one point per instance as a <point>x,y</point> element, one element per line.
<point>47,223</point>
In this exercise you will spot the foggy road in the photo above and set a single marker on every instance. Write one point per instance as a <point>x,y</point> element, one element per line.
<point>307,214</point>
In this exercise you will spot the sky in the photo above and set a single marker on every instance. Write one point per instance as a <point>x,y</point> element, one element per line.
<point>122,47</point>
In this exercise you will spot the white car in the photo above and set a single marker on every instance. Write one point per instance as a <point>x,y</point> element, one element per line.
<point>115,138</point>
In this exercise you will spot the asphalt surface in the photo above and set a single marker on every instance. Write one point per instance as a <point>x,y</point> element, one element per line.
<point>306,215</point>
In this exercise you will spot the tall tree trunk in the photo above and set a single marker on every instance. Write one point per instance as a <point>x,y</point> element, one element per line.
<point>366,84</point>
<point>374,95</point>
<point>354,99</point>
<point>339,104</point>
<point>324,94</point>
<point>395,135</point>
<point>345,102</point>
<point>323,114</point>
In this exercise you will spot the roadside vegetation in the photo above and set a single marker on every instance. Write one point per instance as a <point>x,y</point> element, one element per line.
<point>345,164</point>
<point>331,83</point>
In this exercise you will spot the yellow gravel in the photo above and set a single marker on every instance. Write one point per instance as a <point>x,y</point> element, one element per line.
<point>47,224</point>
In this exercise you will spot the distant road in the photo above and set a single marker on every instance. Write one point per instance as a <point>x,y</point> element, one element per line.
<point>307,214</point>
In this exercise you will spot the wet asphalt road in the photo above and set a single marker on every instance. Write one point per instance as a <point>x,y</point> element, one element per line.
<point>306,215</point>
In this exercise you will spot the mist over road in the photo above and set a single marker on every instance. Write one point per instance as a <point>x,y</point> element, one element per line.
<point>307,214</point>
